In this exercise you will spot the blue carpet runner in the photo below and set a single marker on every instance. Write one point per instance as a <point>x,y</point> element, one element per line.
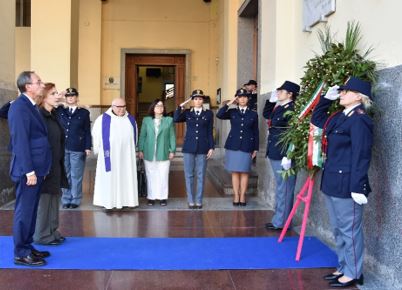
<point>90,253</point>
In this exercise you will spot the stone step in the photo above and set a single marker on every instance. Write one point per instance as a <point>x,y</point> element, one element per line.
<point>222,179</point>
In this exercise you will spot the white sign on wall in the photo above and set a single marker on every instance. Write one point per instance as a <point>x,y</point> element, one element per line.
<point>315,11</point>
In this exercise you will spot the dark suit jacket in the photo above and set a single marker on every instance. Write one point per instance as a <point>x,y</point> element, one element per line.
<point>199,138</point>
<point>30,149</point>
<point>243,133</point>
<point>57,177</point>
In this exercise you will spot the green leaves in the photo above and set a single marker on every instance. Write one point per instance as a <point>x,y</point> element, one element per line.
<point>339,61</point>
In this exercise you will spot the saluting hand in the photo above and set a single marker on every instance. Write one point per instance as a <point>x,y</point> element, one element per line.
<point>332,93</point>
<point>232,101</point>
<point>274,96</point>
<point>185,102</point>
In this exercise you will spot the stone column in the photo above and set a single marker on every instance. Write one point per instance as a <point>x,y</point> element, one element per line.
<point>7,91</point>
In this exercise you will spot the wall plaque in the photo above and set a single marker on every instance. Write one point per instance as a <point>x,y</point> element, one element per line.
<point>315,11</point>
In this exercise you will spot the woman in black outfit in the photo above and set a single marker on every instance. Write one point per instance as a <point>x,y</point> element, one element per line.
<point>47,222</point>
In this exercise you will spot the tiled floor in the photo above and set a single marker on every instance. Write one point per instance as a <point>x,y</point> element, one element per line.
<point>217,219</point>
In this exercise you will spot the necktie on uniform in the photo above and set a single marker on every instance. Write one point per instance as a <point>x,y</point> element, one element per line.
<point>242,111</point>
<point>71,110</point>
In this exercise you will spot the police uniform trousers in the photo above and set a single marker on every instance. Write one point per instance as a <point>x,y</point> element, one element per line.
<point>345,217</point>
<point>26,208</point>
<point>284,194</point>
<point>195,165</point>
<point>47,221</point>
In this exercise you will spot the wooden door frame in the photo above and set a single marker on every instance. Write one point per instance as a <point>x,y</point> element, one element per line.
<point>163,57</point>
<point>125,51</point>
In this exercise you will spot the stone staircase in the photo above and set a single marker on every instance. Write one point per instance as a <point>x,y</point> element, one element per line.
<point>222,179</point>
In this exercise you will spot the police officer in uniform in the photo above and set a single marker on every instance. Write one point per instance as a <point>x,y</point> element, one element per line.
<point>280,102</point>
<point>241,144</point>
<point>251,88</point>
<point>198,145</point>
<point>77,128</point>
<point>348,135</point>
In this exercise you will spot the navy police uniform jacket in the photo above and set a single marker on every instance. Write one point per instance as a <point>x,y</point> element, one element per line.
<point>198,138</point>
<point>243,133</point>
<point>277,125</point>
<point>30,148</point>
<point>4,110</point>
<point>350,139</point>
<point>77,128</point>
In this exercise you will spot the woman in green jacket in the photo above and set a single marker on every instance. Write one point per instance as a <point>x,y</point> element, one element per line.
<point>157,146</point>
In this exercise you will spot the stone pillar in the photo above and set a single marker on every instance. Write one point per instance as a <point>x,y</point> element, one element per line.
<point>7,91</point>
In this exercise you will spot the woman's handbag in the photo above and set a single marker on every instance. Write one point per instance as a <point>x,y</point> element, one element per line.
<point>141,178</point>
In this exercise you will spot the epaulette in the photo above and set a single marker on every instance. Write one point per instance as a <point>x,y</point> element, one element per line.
<point>360,111</point>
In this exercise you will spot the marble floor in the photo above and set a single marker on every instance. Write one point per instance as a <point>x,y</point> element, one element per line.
<point>218,218</point>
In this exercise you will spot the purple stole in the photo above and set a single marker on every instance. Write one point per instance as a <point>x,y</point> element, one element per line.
<point>106,120</point>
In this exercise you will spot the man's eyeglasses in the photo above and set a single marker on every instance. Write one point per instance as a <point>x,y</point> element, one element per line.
<point>39,82</point>
<point>119,107</point>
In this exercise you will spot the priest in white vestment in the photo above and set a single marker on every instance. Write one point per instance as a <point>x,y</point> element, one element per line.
<point>114,140</point>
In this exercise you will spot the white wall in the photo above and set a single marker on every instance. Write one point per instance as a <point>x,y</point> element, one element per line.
<point>285,48</point>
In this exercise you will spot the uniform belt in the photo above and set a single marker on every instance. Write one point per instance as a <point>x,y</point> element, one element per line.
<point>280,127</point>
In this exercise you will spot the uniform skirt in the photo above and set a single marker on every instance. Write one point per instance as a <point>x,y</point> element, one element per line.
<point>237,161</point>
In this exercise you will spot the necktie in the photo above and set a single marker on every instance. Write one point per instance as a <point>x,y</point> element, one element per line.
<point>71,110</point>
<point>197,113</point>
<point>242,111</point>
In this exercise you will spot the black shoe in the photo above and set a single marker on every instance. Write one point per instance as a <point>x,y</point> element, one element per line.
<point>74,205</point>
<point>236,203</point>
<point>198,206</point>
<point>29,261</point>
<point>55,242</point>
<point>67,205</point>
<point>337,284</point>
<point>39,254</point>
<point>270,226</point>
<point>332,276</point>
<point>191,206</point>
<point>243,203</point>
<point>151,202</point>
<point>62,239</point>
<point>163,202</point>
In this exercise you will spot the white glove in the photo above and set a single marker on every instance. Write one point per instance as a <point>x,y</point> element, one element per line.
<point>359,198</point>
<point>332,93</point>
<point>286,163</point>
<point>274,96</point>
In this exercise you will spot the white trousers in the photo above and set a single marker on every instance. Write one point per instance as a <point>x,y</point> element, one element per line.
<point>157,179</point>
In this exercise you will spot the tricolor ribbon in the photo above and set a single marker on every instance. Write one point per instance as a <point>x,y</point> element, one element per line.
<point>314,156</point>
<point>312,102</point>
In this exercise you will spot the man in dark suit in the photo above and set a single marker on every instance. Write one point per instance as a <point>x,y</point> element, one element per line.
<point>30,163</point>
